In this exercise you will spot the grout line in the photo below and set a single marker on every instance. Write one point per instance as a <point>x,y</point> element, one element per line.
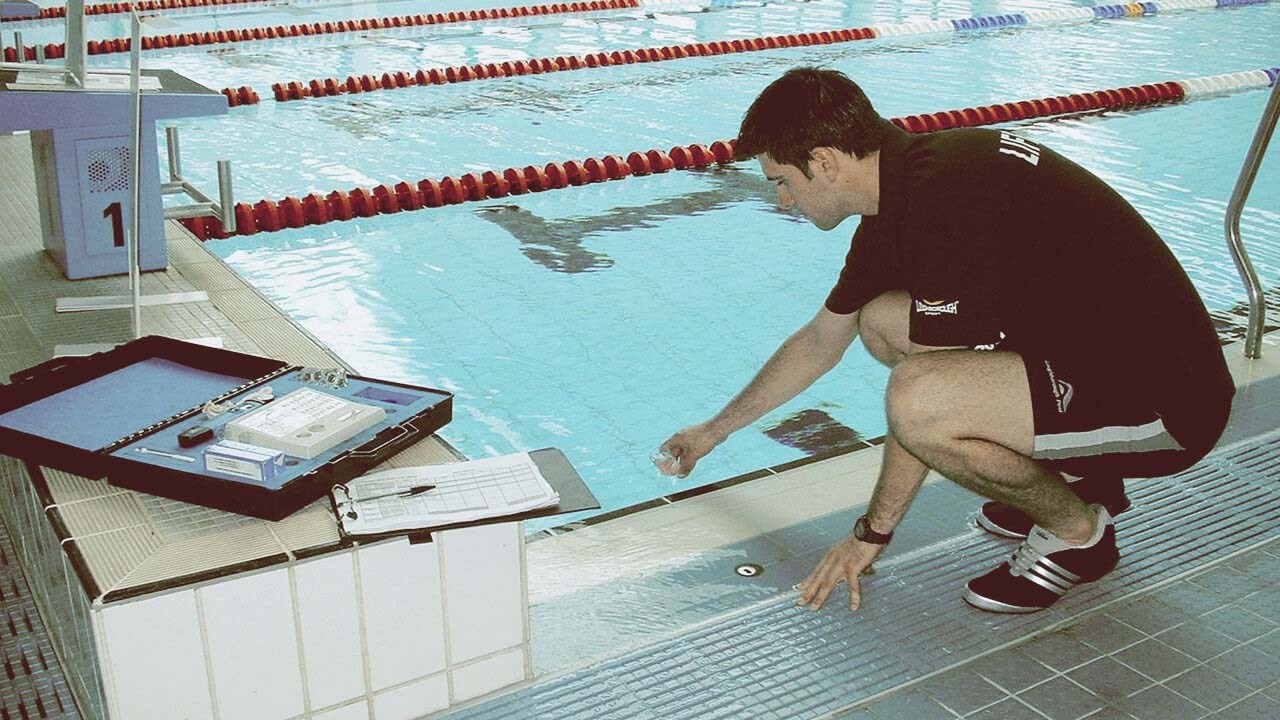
<point>1088,614</point>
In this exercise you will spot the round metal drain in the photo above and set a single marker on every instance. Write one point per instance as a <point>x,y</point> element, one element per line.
<point>749,570</point>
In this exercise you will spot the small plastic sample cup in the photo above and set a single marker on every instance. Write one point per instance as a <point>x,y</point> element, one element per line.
<point>666,463</point>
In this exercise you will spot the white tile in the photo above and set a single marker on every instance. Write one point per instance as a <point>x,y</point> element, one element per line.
<point>413,700</point>
<point>253,646</point>
<point>646,541</point>
<point>330,629</point>
<point>484,599</point>
<point>354,711</point>
<point>158,637</point>
<point>404,623</point>
<point>485,676</point>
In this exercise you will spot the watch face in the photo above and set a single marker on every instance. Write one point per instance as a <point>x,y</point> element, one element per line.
<point>860,528</point>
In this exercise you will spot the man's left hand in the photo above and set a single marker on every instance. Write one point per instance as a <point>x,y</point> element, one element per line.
<point>844,562</point>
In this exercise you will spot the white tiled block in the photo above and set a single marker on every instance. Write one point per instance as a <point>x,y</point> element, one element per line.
<point>253,646</point>
<point>412,701</point>
<point>354,711</point>
<point>330,629</point>
<point>403,619</point>
<point>485,676</point>
<point>151,639</point>
<point>482,588</point>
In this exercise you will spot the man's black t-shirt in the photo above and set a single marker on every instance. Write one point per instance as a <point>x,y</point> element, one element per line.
<point>1003,242</point>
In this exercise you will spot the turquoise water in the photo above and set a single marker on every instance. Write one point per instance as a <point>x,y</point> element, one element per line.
<point>601,319</point>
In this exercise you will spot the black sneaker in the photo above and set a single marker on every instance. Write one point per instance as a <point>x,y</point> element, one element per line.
<point>1004,520</point>
<point>1043,569</point>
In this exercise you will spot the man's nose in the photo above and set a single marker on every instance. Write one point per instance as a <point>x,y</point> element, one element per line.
<point>785,201</point>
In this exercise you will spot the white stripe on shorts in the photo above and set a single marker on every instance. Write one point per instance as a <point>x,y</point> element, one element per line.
<point>1106,440</point>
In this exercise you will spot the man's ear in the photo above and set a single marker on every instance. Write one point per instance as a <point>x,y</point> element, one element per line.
<point>825,161</point>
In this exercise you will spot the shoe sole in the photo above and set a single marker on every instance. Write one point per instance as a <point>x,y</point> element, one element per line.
<point>986,524</point>
<point>995,606</point>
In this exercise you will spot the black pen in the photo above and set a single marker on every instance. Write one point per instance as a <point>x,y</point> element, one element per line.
<point>416,490</point>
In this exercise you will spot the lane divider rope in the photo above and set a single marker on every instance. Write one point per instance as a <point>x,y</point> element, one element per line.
<point>318,209</point>
<point>60,11</point>
<point>218,37</point>
<point>329,87</point>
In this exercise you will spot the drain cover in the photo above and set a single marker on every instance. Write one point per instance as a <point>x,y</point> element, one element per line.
<point>749,570</point>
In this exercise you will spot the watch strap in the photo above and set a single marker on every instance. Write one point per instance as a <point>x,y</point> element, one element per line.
<point>863,531</point>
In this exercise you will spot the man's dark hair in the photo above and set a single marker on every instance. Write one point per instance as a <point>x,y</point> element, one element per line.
<point>804,109</point>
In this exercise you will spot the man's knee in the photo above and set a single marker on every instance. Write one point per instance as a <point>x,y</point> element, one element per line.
<point>883,325</point>
<point>912,398</point>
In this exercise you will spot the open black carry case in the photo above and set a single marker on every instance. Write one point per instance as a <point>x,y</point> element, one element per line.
<point>118,415</point>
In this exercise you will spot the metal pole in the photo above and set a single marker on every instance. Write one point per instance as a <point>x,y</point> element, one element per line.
<point>40,54</point>
<point>17,40</point>
<point>135,173</point>
<point>175,153</point>
<point>226,196</point>
<point>1257,303</point>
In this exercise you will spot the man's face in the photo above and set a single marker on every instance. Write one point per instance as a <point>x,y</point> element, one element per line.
<point>814,198</point>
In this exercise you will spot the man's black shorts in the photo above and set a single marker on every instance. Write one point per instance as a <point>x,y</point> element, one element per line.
<point>1094,418</point>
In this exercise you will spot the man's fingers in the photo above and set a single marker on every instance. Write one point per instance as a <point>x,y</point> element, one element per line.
<point>823,592</point>
<point>826,583</point>
<point>810,586</point>
<point>855,593</point>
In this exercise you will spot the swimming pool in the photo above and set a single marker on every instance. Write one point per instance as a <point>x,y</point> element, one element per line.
<point>602,318</point>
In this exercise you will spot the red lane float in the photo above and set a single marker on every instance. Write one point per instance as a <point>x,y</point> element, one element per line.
<point>149,5</point>
<point>155,42</point>
<point>465,73</point>
<point>314,209</point>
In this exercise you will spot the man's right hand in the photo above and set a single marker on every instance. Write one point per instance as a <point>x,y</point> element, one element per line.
<point>687,447</point>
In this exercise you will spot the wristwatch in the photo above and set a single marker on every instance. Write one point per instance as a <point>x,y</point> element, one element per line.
<point>862,531</point>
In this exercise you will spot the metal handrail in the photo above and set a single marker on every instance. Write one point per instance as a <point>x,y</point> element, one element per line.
<point>1257,303</point>
<point>224,209</point>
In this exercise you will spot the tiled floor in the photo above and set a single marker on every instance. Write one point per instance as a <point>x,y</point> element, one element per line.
<point>31,684</point>
<point>1207,646</point>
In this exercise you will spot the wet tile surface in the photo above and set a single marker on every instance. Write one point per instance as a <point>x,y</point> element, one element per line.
<point>1186,646</point>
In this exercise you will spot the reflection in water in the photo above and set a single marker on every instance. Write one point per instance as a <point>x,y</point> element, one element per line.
<point>814,432</point>
<point>1232,325</point>
<point>558,244</point>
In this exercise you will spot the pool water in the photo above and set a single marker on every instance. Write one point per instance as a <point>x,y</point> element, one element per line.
<point>603,318</point>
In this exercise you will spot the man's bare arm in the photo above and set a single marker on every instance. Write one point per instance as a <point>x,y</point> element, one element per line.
<point>805,356</point>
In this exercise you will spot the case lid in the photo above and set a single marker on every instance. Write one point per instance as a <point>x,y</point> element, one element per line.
<point>66,412</point>
<point>96,414</point>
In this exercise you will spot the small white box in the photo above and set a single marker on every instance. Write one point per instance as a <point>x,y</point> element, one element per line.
<point>242,461</point>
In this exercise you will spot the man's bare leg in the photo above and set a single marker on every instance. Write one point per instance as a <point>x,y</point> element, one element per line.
<point>967,414</point>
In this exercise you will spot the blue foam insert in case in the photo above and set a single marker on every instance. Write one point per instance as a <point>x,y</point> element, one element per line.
<point>118,415</point>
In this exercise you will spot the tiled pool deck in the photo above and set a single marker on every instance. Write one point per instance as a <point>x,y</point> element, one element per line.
<point>1207,646</point>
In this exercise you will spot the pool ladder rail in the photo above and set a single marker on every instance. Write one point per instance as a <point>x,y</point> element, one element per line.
<point>224,209</point>
<point>1257,304</point>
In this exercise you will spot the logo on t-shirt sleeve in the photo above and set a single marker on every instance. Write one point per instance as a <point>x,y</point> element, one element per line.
<point>1011,144</point>
<point>934,308</point>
